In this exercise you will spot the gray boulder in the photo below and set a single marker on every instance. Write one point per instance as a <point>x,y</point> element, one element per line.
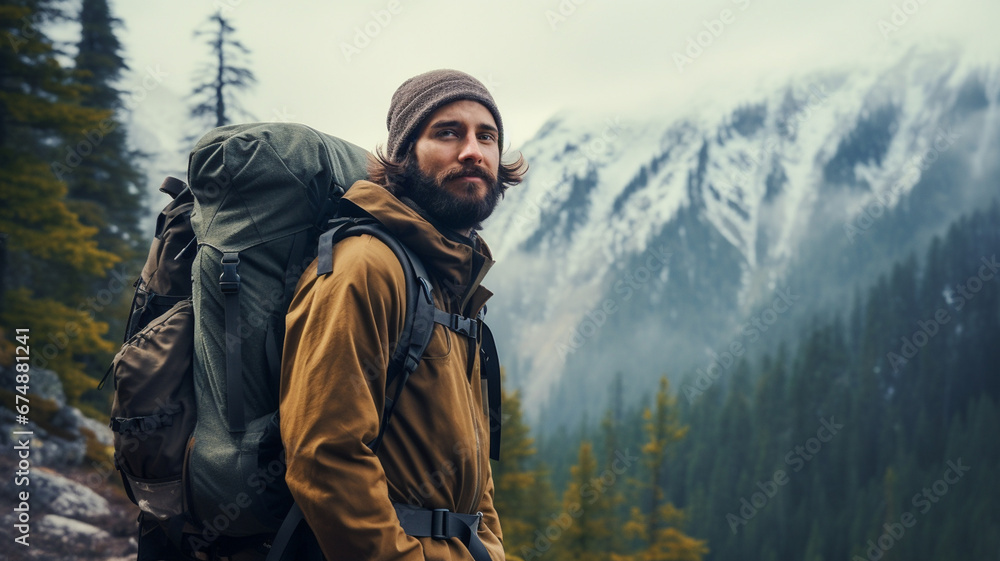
<point>66,496</point>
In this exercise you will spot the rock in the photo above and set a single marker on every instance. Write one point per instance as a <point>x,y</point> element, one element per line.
<point>65,496</point>
<point>44,383</point>
<point>101,430</point>
<point>68,530</point>
<point>52,451</point>
<point>63,440</point>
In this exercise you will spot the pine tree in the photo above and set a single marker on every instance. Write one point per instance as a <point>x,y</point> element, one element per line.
<point>521,490</point>
<point>814,545</point>
<point>215,94</point>
<point>106,187</point>
<point>657,526</point>
<point>584,518</point>
<point>52,257</point>
<point>611,427</point>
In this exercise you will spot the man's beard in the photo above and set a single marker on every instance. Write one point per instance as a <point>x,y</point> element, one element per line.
<point>449,209</point>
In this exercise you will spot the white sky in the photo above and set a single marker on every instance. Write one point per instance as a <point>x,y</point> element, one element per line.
<point>601,56</point>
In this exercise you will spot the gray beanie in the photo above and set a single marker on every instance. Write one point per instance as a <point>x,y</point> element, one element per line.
<point>418,97</point>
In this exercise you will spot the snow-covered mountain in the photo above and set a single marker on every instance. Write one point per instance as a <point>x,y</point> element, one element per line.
<point>647,242</point>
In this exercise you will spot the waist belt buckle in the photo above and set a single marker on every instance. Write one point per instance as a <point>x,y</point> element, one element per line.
<point>438,525</point>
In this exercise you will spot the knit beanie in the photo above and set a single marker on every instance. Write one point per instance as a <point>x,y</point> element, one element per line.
<point>418,97</point>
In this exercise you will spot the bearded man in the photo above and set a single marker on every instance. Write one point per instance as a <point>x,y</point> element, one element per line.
<point>440,177</point>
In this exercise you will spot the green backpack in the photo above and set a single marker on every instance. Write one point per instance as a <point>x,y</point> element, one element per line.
<point>195,415</point>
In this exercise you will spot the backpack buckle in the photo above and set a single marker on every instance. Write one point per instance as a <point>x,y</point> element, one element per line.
<point>438,523</point>
<point>229,280</point>
<point>427,290</point>
<point>464,326</point>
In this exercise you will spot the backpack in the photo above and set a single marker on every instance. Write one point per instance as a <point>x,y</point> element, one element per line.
<point>195,415</point>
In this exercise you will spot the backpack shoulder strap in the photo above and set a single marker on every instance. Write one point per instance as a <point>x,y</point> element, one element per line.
<point>418,323</point>
<point>490,370</point>
<point>421,315</point>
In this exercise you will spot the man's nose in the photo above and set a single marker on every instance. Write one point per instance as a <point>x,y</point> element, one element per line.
<point>471,151</point>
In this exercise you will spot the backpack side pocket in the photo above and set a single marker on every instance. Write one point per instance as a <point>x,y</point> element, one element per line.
<point>153,414</point>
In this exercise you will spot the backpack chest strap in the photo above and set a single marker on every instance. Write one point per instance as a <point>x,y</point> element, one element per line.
<point>457,323</point>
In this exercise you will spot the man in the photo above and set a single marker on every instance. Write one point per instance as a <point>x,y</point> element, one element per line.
<point>440,179</point>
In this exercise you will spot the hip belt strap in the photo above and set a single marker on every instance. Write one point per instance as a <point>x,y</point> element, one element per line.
<point>442,524</point>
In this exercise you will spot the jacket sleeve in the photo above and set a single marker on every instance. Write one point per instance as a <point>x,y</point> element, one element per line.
<point>339,332</point>
<point>490,532</point>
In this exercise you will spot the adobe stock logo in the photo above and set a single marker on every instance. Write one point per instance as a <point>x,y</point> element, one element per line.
<point>901,14</point>
<point>924,500</point>
<point>713,29</point>
<point>959,296</point>
<point>364,35</point>
<point>796,458</point>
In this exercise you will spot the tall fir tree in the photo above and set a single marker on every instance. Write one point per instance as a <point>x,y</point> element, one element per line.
<point>219,81</point>
<point>522,496</point>
<point>657,525</point>
<point>611,427</point>
<point>585,517</point>
<point>106,187</point>
<point>52,257</point>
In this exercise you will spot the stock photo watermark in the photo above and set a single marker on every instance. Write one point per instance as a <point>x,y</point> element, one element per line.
<point>565,10</point>
<point>590,492</point>
<point>59,340</point>
<point>92,138</point>
<point>713,28</point>
<point>365,34</point>
<point>655,260</point>
<point>866,217</point>
<point>593,148</point>
<point>741,173</point>
<point>900,16</point>
<point>752,330</point>
<point>928,328</point>
<point>922,501</point>
<point>796,459</point>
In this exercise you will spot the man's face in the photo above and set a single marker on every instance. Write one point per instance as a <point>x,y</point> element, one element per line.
<point>457,160</point>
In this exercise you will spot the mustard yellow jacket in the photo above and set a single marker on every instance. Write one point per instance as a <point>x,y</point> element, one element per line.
<point>340,331</point>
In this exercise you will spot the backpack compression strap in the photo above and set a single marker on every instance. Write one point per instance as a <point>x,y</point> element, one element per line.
<point>229,284</point>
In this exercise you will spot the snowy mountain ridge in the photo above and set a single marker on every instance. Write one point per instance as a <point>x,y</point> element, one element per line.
<point>727,192</point>
<point>762,172</point>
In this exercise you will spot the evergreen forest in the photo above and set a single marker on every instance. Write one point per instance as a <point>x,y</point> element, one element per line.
<point>868,437</point>
<point>865,435</point>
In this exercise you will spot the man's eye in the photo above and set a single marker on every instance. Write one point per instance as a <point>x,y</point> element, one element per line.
<point>446,132</point>
<point>487,136</point>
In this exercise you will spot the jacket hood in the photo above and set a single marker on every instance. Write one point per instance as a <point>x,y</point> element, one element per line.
<point>459,263</point>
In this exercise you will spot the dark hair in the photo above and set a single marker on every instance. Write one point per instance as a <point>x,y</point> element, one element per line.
<point>393,175</point>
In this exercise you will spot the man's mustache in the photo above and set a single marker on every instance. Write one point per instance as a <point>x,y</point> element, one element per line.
<point>470,172</point>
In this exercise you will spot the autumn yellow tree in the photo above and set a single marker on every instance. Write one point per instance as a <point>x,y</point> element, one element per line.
<point>48,254</point>
<point>522,494</point>
<point>582,529</point>
<point>657,524</point>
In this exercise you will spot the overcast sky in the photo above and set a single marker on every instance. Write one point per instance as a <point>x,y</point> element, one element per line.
<point>334,65</point>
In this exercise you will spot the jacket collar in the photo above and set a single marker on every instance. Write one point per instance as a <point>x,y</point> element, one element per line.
<point>458,262</point>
